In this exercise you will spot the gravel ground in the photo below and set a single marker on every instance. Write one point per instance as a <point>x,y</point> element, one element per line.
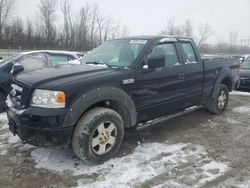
<point>194,150</point>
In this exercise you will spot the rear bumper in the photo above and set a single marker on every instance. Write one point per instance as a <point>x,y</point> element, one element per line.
<point>36,134</point>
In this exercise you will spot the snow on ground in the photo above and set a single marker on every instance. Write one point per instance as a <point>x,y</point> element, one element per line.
<point>176,165</point>
<point>6,138</point>
<point>242,184</point>
<point>240,93</point>
<point>158,160</point>
<point>236,182</point>
<point>242,109</point>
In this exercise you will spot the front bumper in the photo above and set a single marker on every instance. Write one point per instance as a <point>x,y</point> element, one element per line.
<point>244,84</point>
<point>39,129</point>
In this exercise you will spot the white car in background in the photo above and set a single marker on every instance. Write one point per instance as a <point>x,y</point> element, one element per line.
<point>31,61</point>
<point>56,56</point>
<point>244,57</point>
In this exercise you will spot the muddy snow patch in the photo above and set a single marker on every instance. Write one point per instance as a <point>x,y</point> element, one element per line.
<point>240,93</point>
<point>171,165</point>
<point>209,123</point>
<point>242,109</point>
<point>148,161</point>
<point>242,184</point>
<point>7,139</point>
<point>231,120</point>
<point>239,182</point>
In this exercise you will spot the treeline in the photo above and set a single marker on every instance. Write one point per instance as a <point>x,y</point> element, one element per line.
<point>202,34</point>
<point>87,27</point>
<point>81,30</point>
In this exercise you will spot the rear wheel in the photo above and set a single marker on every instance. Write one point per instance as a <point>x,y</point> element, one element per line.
<point>98,135</point>
<point>2,102</point>
<point>219,103</point>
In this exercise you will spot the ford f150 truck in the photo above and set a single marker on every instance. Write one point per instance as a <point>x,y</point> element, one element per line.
<point>123,83</point>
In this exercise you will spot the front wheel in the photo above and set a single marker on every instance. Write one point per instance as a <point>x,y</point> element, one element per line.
<point>219,103</point>
<point>98,135</point>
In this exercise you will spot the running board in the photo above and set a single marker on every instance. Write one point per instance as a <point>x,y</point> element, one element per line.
<point>166,118</point>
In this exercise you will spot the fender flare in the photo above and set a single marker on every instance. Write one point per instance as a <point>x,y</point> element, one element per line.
<point>224,73</point>
<point>88,99</point>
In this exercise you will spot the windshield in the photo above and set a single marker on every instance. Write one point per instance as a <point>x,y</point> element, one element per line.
<point>246,64</point>
<point>117,53</point>
<point>11,59</point>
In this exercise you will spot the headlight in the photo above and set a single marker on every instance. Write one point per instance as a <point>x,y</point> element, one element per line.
<point>48,99</point>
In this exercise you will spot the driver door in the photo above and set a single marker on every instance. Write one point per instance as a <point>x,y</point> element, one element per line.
<point>161,91</point>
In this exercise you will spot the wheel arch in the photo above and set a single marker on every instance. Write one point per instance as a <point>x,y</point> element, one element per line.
<point>109,97</point>
<point>224,77</point>
<point>228,82</point>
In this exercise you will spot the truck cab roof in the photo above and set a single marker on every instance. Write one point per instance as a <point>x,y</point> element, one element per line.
<point>155,37</point>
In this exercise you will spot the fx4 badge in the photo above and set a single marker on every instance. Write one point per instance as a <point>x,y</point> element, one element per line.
<point>128,81</point>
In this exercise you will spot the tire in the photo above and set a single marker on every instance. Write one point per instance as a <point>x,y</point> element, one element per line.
<point>98,135</point>
<point>219,103</point>
<point>2,102</point>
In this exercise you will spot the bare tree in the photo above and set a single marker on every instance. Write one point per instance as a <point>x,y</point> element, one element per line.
<point>17,32</point>
<point>187,29</point>
<point>205,31</point>
<point>82,30</point>
<point>47,9</point>
<point>107,28</point>
<point>94,13</point>
<point>69,34</point>
<point>6,9</point>
<point>29,34</point>
<point>172,29</point>
<point>124,31</point>
<point>233,36</point>
<point>115,31</point>
<point>100,20</point>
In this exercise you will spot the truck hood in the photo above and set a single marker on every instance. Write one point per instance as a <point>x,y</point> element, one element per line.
<point>63,72</point>
<point>245,73</point>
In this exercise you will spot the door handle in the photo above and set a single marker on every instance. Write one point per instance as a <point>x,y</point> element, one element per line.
<point>182,75</point>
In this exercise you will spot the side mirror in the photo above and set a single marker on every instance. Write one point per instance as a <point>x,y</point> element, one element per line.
<point>156,62</point>
<point>242,60</point>
<point>16,69</point>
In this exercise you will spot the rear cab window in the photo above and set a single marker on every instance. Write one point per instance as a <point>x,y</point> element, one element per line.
<point>189,55</point>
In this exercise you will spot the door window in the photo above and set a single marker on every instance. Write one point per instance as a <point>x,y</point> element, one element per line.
<point>169,51</point>
<point>189,54</point>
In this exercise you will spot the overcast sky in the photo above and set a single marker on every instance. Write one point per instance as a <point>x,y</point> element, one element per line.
<point>150,16</point>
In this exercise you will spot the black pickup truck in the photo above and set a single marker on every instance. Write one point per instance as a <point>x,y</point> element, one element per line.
<point>123,83</point>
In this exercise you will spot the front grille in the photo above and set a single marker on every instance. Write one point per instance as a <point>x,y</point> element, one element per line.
<point>17,96</point>
<point>245,80</point>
